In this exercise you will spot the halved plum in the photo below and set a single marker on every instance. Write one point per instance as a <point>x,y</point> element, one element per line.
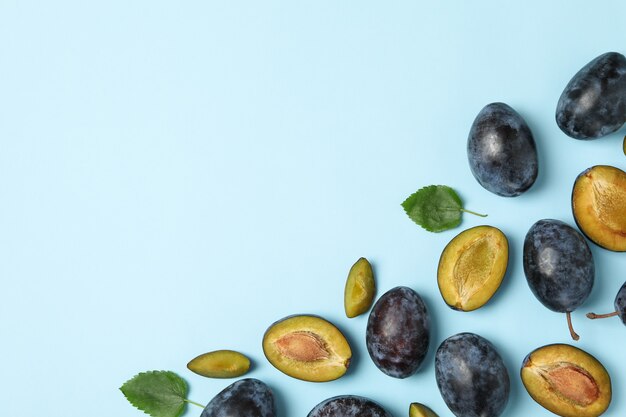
<point>599,206</point>
<point>307,347</point>
<point>472,266</point>
<point>567,381</point>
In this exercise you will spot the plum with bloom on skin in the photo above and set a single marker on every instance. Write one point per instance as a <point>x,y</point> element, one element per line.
<point>398,332</point>
<point>559,266</point>
<point>593,103</point>
<point>501,151</point>
<point>247,397</point>
<point>348,406</point>
<point>619,304</point>
<point>471,376</point>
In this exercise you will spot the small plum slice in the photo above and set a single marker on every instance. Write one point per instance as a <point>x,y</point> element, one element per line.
<point>567,381</point>
<point>247,397</point>
<point>599,206</point>
<point>620,307</point>
<point>348,406</point>
<point>420,410</point>
<point>220,364</point>
<point>360,289</point>
<point>307,347</point>
<point>472,266</point>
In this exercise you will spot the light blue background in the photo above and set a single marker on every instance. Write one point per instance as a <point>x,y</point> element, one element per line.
<point>175,176</point>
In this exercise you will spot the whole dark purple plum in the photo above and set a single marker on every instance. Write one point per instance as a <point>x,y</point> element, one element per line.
<point>559,266</point>
<point>619,304</point>
<point>348,406</point>
<point>245,398</point>
<point>501,151</point>
<point>398,332</point>
<point>593,103</point>
<point>471,376</point>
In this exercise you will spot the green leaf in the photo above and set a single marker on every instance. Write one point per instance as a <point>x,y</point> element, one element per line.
<point>436,208</point>
<point>157,393</point>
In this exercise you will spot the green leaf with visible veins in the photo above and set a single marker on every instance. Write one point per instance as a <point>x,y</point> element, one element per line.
<point>436,208</point>
<point>158,393</point>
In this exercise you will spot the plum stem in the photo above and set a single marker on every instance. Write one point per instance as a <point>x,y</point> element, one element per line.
<point>571,328</point>
<point>473,212</point>
<point>194,403</point>
<point>594,316</point>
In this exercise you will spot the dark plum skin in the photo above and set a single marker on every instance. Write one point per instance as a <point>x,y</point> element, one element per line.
<point>620,303</point>
<point>593,103</point>
<point>558,265</point>
<point>348,406</point>
<point>501,151</point>
<point>398,332</point>
<point>245,398</point>
<point>471,376</point>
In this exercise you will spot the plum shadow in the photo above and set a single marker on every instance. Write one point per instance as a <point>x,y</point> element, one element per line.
<point>282,407</point>
<point>517,389</point>
<point>600,280</point>
<point>356,353</point>
<point>433,343</point>
<point>540,137</point>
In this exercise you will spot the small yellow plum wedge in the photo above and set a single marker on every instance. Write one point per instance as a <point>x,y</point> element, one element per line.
<point>220,364</point>
<point>360,289</point>
<point>420,410</point>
